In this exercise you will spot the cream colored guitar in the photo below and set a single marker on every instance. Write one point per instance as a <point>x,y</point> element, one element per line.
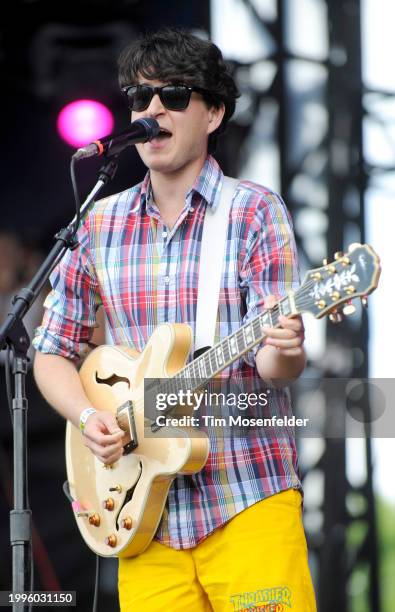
<point>118,507</point>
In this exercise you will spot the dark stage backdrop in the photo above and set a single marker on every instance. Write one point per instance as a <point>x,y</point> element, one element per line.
<point>52,53</point>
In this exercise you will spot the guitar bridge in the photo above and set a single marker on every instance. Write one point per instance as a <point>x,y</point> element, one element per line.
<point>125,419</point>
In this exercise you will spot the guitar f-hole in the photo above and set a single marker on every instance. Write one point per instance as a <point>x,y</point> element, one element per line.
<point>129,495</point>
<point>111,380</point>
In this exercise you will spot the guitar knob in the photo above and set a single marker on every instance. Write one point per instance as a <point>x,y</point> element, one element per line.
<point>316,276</point>
<point>108,504</point>
<point>111,540</point>
<point>335,317</point>
<point>127,522</point>
<point>94,520</point>
<point>349,309</point>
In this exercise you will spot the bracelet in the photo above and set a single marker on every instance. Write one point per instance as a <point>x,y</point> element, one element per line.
<point>85,414</point>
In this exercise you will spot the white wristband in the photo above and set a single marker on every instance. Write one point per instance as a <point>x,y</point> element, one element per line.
<point>85,414</point>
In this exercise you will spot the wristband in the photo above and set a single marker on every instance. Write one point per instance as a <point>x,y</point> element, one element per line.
<point>85,414</point>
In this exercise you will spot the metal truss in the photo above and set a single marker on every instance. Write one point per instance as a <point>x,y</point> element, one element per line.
<point>302,113</point>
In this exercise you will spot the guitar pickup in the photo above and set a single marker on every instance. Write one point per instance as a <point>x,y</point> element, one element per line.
<point>125,420</point>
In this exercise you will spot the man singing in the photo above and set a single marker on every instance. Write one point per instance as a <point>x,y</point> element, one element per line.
<point>231,536</point>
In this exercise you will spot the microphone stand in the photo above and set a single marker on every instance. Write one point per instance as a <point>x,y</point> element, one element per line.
<point>14,335</point>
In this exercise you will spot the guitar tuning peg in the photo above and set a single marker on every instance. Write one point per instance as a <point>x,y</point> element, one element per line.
<point>349,309</point>
<point>338,255</point>
<point>325,261</point>
<point>364,301</point>
<point>353,246</point>
<point>335,317</point>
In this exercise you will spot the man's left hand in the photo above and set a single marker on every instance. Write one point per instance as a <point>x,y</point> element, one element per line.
<point>287,339</point>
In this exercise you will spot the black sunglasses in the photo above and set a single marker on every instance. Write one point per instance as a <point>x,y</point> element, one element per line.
<point>173,97</point>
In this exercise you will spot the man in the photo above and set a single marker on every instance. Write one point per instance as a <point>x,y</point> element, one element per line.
<point>231,536</point>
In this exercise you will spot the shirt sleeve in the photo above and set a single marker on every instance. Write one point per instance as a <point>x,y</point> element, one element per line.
<point>270,265</point>
<point>70,307</point>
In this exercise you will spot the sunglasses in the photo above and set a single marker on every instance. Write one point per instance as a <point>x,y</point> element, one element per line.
<point>173,97</point>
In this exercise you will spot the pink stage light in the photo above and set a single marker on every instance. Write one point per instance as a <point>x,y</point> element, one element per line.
<point>83,121</point>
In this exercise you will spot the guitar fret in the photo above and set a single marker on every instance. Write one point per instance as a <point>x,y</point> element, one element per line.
<point>186,373</point>
<point>240,341</point>
<point>226,350</point>
<point>173,386</point>
<point>275,315</point>
<point>219,356</point>
<point>248,335</point>
<point>286,307</point>
<point>263,320</point>
<point>195,370</point>
<point>256,329</point>
<point>201,364</point>
<point>207,365</point>
<point>212,361</point>
<point>233,345</point>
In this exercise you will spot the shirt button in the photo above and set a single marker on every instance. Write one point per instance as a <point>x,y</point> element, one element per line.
<point>164,234</point>
<point>191,209</point>
<point>167,280</point>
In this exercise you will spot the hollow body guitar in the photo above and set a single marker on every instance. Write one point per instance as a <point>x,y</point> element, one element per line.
<point>118,507</point>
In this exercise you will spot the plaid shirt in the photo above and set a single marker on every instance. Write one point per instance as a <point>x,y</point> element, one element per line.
<point>145,274</point>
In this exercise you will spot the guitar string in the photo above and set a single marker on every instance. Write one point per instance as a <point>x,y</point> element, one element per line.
<point>301,299</point>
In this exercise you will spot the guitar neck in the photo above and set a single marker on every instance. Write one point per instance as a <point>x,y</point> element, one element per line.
<point>221,355</point>
<point>323,290</point>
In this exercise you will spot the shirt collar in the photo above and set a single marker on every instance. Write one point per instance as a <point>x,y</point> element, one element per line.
<point>145,191</point>
<point>209,181</point>
<point>207,184</point>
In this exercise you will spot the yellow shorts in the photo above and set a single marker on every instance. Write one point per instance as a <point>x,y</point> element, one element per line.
<point>256,561</point>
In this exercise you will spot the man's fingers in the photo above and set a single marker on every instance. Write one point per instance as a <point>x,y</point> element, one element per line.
<point>290,328</point>
<point>270,301</point>
<point>102,429</point>
<point>281,333</point>
<point>105,439</point>
<point>107,454</point>
<point>292,352</point>
<point>294,323</point>
<point>285,343</point>
<point>108,420</point>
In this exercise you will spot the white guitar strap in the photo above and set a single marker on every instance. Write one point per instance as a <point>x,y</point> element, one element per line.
<point>212,257</point>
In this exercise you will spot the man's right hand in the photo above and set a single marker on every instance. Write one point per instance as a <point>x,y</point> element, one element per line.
<point>103,436</point>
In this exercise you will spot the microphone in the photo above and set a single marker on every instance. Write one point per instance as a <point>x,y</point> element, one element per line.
<point>140,130</point>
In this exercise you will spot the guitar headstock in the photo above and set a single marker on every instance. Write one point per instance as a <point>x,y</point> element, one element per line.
<point>352,274</point>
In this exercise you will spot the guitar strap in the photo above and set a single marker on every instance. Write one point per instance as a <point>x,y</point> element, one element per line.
<point>212,257</point>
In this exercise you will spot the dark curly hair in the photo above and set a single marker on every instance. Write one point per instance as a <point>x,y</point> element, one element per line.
<point>174,55</point>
